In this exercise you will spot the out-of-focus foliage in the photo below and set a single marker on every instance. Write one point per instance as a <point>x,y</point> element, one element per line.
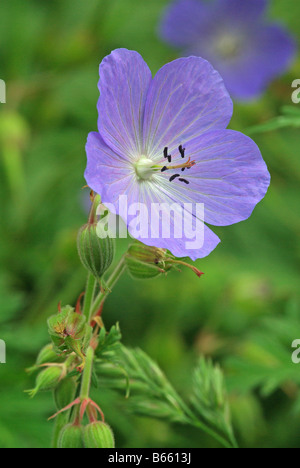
<point>150,394</point>
<point>243,313</point>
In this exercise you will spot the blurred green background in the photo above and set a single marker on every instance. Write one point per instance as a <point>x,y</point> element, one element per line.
<point>245,311</point>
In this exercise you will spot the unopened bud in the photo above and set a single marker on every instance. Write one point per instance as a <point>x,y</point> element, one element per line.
<point>96,253</point>
<point>98,435</point>
<point>71,437</point>
<point>46,354</point>
<point>145,262</point>
<point>47,380</point>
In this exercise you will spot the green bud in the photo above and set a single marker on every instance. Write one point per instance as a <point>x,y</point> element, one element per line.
<point>145,262</point>
<point>141,270</point>
<point>47,354</point>
<point>96,253</point>
<point>71,437</point>
<point>98,435</point>
<point>47,380</point>
<point>147,254</point>
<point>65,392</point>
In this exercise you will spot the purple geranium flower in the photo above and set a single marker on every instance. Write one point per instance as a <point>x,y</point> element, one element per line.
<point>234,36</point>
<point>164,141</point>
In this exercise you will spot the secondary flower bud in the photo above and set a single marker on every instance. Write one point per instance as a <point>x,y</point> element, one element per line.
<point>71,437</point>
<point>145,262</point>
<point>98,435</point>
<point>47,354</point>
<point>47,380</point>
<point>141,270</point>
<point>96,253</point>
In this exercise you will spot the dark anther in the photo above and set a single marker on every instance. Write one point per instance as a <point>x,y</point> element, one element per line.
<point>164,169</point>
<point>184,180</point>
<point>183,169</point>
<point>166,155</point>
<point>182,151</point>
<point>173,177</point>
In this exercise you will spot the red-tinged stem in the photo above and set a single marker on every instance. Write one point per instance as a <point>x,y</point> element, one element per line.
<point>194,269</point>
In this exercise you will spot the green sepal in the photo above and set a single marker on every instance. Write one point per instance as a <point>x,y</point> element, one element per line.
<point>74,346</point>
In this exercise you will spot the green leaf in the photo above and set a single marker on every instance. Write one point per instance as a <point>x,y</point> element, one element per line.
<point>152,395</point>
<point>290,118</point>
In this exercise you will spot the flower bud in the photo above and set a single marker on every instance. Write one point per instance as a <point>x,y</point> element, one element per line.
<point>47,354</point>
<point>96,252</point>
<point>71,437</point>
<point>145,253</point>
<point>98,435</point>
<point>47,380</point>
<point>65,392</point>
<point>145,262</point>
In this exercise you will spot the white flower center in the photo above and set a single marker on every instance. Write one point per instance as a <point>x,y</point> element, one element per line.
<point>228,45</point>
<point>144,168</point>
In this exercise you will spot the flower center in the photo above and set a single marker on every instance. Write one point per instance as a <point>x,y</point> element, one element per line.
<point>228,46</point>
<point>144,168</point>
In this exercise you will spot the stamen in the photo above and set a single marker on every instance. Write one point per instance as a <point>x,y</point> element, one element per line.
<point>173,177</point>
<point>187,165</point>
<point>182,151</point>
<point>184,180</point>
<point>166,155</point>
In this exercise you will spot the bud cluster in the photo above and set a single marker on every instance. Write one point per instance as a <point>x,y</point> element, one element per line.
<point>69,332</point>
<point>96,434</point>
<point>70,335</point>
<point>79,339</point>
